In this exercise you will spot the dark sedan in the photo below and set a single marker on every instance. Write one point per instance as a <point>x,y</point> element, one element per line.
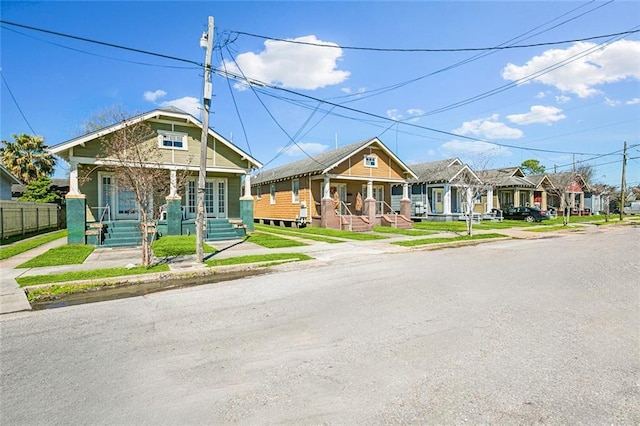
<point>530,214</point>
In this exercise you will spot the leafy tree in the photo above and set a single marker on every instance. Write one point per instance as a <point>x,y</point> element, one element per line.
<point>27,157</point>
<point>40,191</point>
<point>532,167</point>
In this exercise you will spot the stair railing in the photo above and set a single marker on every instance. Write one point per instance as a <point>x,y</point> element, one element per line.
<point>346,208</point>
<point>106,209</point>
<point>391,211</point>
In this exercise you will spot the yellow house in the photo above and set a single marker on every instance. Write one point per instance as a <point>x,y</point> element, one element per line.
<point>345,188</point>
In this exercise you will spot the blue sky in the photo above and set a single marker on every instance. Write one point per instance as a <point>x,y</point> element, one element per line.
<point>489,108</point>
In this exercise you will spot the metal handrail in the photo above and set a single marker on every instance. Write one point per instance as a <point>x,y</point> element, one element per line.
<point>343,204</point>
<point>384,204</point>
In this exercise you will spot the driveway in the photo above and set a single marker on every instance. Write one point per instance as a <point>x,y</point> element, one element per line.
<point>511,332</point>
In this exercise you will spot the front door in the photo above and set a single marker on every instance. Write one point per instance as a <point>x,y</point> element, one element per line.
<point>438,200</point>
<point>215,198</point>
<point>115,203</point>
<point>378,195</point>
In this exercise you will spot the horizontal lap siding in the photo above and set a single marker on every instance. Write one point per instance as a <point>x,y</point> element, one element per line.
<point>283,208</point>
<point>354,166</point>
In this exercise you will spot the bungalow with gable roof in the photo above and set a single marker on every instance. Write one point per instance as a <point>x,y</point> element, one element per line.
<point>102,211</point>
<point>437,193</point>
<point>345,188</point>
<point>510,187</point>
<point>569,193</point>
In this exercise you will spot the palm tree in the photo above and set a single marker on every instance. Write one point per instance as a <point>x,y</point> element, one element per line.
<point>27,158</point>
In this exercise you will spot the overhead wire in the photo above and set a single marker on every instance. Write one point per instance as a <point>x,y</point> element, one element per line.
<point>15,101</point>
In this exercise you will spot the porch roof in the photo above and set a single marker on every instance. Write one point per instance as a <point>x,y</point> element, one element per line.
<point>439,171</point>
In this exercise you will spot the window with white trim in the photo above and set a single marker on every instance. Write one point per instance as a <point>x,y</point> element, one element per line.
<point>272,193</point>
<point>295,191</point>
<point>370,161</point>
<point>172,140</point>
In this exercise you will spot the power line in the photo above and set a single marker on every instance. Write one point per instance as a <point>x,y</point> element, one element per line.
<point>16,102</point>
<point>102,43</point>
<point>431,50</point>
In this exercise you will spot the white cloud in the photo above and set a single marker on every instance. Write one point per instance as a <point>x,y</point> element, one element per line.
<point>154,96</point>
<point>618,61</point>
<point>611,102</point>
<point>187,104</point>
<point>413,113</point>
<point>633,101</point>
<point>296,150</point>
<point>489,128</point>
<point>562,99</point>
<point>394,114</point>
<point>290,65</point>
<point>467,149</point>
<point>538,114</point>
<point>540,95</point>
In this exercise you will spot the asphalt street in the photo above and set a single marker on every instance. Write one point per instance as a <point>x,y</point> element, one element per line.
<point>508,332</point>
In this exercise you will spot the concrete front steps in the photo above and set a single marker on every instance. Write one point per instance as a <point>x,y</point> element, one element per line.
<point>225,229</point>
<point>396,221</point>
<point>355,223</point>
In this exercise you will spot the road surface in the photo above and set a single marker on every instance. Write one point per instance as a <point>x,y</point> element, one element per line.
<point>508,332</point>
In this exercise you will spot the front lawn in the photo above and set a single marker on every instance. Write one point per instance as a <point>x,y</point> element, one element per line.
<point>349,235</point>
<point>95,274</point>
<point>295,232</point>
<point>178,245</point>
<point>21,247</point>
<point>63,255</point>
<point>396,231</point>
<point>272,241</point>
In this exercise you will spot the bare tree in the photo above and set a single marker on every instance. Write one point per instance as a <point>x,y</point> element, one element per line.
<point>471,187</point>
<point>131,154</point>
<point>563,188</point>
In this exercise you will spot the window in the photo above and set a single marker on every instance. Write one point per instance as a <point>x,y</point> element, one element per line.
<point>272,193</point>
<point>259,192</point>
<point>370,161</point>
<point>295,191</point>
<point>169,140</point>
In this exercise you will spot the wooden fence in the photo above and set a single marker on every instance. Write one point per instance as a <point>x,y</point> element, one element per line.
<point>19,218</point>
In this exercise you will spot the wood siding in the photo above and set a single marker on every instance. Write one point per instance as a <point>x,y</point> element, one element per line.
<point>284,207</point>
<point>354,166</point>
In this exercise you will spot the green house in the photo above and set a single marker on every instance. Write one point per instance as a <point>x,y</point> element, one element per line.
<point>102,211</point>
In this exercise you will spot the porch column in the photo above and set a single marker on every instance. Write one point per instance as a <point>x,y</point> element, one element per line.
<point>581,206</point>
<point>76,208</point>
<point>173,183</point>
<point>246,204</point>
<point>447,199</point>
<point>327,212</point>
<point>370,203</point>
<point>489,199</point>
<point>543,203</point>
<point>74,188</point>
<point>405,202</point>
<point>531,200</point>
<point>516,198</point>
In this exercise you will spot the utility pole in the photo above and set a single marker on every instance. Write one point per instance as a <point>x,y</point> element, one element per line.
<point>622,184</point>
<point>206,42</point>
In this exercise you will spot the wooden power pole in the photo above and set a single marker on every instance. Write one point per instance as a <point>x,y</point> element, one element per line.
<point>206,42</point>
<point>622,184</point>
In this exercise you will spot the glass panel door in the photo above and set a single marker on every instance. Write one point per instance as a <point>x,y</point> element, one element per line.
<point>127,205</point>
<point>222,198</point>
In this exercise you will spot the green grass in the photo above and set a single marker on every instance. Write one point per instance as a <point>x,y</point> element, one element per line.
<point>551,228</point>
<point>63,255</point>
<point>89,275</point>
<point>177,245</point>
<point>272,241</point>
<point>409,232</point>
<point>349,235</point>
<point>268,259</point>
<point>438,240</point>
<point>51,292</point>
<point>295,232</point>
<point>17,248</point>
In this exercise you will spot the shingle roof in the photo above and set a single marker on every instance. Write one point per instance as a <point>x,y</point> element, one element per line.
<point>505,177</point>
<point>317,164</point>
<point>437,171</point>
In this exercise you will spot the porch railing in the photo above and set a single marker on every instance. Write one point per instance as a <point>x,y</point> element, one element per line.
<point>384,204</point>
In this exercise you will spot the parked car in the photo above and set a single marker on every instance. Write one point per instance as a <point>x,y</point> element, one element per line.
<point>632,208</point>
<point>530,214</point>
